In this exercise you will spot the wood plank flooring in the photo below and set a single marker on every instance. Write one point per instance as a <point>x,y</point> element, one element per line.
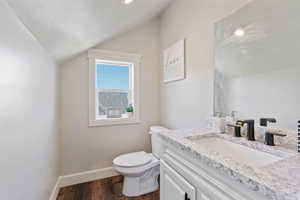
<point>104,189</point>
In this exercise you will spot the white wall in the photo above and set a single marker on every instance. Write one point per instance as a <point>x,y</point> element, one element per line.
<point>273,94</point>
<point>188,103</point>
<point>28,144</point>
<point>85,148</point>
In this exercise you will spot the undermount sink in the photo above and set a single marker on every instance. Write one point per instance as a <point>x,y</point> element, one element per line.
<point>239,153</point>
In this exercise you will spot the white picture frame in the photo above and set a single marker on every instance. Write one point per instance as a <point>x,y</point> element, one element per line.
<point>174,62</point>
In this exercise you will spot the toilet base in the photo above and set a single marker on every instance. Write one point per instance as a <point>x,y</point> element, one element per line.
<point>140,185</point>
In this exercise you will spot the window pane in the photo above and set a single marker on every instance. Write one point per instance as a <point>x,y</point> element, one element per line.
<point>113,87</point>
<point>112,77</point>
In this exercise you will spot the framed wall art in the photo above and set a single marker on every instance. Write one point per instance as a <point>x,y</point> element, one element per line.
<point>174,62</point>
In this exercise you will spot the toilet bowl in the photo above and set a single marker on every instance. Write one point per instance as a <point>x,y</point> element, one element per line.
<point>140,171</point>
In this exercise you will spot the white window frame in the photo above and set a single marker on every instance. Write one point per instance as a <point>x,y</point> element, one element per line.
<point>96,54</point>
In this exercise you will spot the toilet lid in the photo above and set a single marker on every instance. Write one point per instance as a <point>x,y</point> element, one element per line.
<point>132,159</point>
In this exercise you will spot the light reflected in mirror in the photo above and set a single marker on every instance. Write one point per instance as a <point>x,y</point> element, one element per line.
<point>258,62</point>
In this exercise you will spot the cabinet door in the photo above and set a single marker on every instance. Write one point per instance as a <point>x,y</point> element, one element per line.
<point>174,186</point>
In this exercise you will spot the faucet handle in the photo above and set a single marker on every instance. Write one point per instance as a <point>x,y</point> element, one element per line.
<point>269,137</point>
<point>264,121</point>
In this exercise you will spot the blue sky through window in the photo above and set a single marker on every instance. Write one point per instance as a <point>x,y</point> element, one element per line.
<point>112,77</point>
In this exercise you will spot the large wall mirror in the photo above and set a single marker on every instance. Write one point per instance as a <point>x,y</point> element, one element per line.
<point>257,62</point>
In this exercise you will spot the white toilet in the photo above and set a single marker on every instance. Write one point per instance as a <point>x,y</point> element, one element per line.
<point>141,169</point>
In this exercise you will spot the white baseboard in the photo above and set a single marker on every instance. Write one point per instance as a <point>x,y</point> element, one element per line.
<point>86,176</point>
<point>82,177</point>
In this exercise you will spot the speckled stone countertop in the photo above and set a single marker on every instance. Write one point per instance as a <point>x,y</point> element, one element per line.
<point>279,180</point>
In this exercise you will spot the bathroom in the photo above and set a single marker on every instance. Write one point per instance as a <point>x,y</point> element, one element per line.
<point>183,134</point>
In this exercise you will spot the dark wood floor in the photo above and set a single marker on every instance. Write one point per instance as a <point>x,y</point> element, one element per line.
<point>104,189</point>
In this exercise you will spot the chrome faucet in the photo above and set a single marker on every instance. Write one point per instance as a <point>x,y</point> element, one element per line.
<point>250,128</point>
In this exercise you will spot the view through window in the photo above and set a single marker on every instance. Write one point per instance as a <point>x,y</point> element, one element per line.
<point>113,89</point>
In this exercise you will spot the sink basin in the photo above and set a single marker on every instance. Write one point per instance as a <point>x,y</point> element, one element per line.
<point>239,153</point>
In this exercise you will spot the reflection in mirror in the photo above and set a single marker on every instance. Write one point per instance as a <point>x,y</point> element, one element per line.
<point>258,62</point>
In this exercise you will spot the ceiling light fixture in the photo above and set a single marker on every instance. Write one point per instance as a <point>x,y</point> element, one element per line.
<point>239,32</point>
<point>127,2</point>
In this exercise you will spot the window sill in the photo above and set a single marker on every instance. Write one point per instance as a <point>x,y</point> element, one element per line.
<point>114,122</point>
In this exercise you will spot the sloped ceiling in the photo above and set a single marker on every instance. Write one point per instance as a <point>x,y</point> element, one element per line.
<point>67,27</point>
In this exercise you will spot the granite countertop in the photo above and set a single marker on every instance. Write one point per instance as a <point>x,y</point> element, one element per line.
<point>279,180</point>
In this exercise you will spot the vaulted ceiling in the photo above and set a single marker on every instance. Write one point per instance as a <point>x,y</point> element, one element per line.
<point>67,27</point>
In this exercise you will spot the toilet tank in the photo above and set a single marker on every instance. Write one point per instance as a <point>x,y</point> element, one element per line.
<point>157,147</point>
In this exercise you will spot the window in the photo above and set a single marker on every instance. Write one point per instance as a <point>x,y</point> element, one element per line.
<point>114,88</point>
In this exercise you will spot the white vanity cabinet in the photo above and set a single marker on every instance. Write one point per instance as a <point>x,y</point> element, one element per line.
<point>184,178</point>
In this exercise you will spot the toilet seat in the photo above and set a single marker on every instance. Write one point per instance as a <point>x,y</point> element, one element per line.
<point>133,160</point>
<point>136,171</point>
